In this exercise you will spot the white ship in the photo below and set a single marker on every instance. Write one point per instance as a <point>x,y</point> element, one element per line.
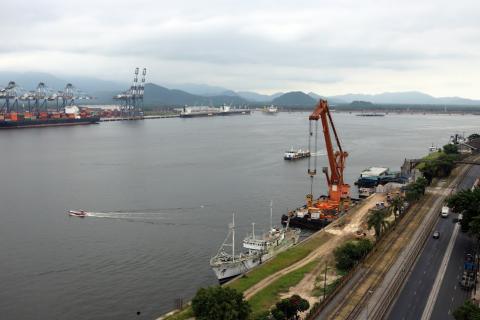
<point>227,265</point>
<point>270,110</point>
<point>296,154</point>
<point>259,249</point>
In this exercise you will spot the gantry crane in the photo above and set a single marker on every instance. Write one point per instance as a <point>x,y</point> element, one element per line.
<point>338,191</point>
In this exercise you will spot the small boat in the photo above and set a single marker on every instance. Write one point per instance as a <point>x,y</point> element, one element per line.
<point>296,154</point>
<point>77,213</point>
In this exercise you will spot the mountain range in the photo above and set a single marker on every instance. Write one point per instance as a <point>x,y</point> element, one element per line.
<point>201,94</point>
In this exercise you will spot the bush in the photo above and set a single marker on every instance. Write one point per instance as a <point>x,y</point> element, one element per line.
<point>450,149</point>
<point>438,167</point>
<point>473,136</point>
<point>467,311</point>
<point>220,303</point>
<point>350,253</point>
<point>289,308</point>
<point>467,202</point>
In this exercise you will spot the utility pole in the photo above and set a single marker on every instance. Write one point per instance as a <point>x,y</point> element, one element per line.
<point>325,282</point>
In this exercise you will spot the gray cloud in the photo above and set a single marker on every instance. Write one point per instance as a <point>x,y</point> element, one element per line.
<point>265,45</point>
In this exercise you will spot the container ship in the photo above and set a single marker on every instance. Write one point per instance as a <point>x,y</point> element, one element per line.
<point>193,112</point>
<point>70,116</point>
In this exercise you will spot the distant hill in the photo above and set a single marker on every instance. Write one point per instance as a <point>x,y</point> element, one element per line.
<point>191,94</point>
<point>408,97</point>
<point>294,99</point>
<point>198,89</point>
<point>156,95</point>
<point>30,80</point>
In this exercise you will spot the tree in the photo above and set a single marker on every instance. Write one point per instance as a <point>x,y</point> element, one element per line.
<point>350,253</point>
<point>473,136</point>
<point>467,311</point>
<point>397,206</point>
<point>220,303</point>
<point>377,220</point>
<point>466,202</point>
<point>450,148</point>
<point>289,308</point>
<point>416,189</point>
<point>438,167</point>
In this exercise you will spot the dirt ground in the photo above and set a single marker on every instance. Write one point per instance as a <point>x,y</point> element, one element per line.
<point>343,229</point>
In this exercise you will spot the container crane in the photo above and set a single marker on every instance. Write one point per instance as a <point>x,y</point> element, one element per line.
<point>338,191</point>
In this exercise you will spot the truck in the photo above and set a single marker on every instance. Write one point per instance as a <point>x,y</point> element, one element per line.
<point>445,211</point>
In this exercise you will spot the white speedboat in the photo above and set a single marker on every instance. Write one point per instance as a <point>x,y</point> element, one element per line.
<point>77,213</point>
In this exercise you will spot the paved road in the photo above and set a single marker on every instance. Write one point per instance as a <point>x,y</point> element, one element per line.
<point>413,297</point>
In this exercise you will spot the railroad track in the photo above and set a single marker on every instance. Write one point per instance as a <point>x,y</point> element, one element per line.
<point>375,266</point>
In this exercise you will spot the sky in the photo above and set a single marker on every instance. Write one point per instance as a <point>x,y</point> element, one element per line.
<point>328,47</point>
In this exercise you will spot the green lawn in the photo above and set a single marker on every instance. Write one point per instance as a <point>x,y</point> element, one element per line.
<point>281,261</point>
<point>263,300</point>
<point>182,315</point>
<point>429,157</point>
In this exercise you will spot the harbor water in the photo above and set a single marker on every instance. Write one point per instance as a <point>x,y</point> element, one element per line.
<point>162,193</point>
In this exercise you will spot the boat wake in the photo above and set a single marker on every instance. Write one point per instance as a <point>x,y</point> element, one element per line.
<point>140,215</point>
<point>127,215</point>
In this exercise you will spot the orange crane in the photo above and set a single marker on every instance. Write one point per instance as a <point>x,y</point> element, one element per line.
<point>338,191</point>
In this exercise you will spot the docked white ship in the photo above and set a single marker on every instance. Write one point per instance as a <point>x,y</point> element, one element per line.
<point>259,249</point>
<point>227,265</point>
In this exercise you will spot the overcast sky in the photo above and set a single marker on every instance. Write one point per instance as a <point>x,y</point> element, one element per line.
<point>329,47</point>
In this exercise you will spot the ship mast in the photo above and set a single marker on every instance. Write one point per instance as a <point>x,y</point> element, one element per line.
<point>271,214</point>
<point>233,237</point>
<point>253,230</point>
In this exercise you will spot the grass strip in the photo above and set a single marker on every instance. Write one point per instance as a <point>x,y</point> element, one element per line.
<point>266,298</point>
<point>279,262</point>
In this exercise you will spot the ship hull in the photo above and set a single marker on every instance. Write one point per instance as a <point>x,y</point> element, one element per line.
<point>214,114</point>
<point>306,223</point>
<point>38,123</point>
<point>230,270</point>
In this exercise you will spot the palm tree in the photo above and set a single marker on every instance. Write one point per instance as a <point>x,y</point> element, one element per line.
<point>396,206</point>
<point>377,220</point>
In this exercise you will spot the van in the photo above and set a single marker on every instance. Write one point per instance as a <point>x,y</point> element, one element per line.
<point>445,211</point>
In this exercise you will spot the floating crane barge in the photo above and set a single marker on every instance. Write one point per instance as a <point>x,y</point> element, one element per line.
<point>316,214</point>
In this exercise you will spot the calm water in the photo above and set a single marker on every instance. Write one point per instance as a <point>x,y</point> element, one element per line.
<point>163,192</point>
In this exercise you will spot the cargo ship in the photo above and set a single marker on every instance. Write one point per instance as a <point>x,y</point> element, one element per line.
<point>70,116</point>
<point>193,112</point>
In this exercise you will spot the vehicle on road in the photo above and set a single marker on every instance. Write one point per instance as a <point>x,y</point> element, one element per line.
<point>445,211</point>
<point>436,235</point>
<point>467,281</point>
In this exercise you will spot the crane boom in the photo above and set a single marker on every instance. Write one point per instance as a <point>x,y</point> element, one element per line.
<point>337,189</point>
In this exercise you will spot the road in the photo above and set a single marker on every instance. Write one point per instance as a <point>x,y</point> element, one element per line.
<point>417,289</point>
